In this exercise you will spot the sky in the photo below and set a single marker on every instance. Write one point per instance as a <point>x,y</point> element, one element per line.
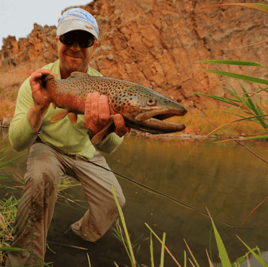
<point>17,17</point>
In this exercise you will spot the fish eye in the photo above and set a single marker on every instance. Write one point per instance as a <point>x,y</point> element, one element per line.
<point>151,102</point>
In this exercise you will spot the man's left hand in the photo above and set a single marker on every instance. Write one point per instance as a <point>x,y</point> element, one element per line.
<point>97,115</point>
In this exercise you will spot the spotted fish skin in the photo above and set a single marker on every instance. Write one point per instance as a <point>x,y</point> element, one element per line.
<point>142,108</point>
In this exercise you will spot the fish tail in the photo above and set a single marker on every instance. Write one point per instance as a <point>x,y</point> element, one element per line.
<point>44,78</point>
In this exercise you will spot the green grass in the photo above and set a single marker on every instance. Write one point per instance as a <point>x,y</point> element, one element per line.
<point>8,210</point>
<point>248,106</point>
<point>228,118</point>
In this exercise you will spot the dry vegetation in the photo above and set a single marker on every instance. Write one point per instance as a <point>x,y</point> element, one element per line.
<point>198,124</point>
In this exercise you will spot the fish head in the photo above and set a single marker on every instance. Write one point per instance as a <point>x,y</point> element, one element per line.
<point>145,110</point>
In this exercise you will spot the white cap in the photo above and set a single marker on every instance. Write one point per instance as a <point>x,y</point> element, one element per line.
<point>78,19</point>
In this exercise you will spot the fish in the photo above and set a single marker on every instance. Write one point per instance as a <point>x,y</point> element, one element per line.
<point>143,109</point>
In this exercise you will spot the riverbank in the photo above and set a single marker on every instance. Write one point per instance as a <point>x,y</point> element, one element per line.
<point>182,136</point>
<point>205,123</point>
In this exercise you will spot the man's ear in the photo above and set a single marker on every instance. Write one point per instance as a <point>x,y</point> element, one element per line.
<point>95,45</point>
<point>57,39</point>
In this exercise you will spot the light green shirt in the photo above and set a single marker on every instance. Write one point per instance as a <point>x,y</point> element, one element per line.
<point>62,135</point>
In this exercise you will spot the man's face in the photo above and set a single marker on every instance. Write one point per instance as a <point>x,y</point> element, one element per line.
<point>74,57</point>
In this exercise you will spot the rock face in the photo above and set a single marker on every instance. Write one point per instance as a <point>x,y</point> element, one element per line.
<point>40,45</point>
<point>156,43</point>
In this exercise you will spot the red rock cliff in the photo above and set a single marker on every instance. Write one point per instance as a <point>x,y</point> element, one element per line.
<point>156,43</point>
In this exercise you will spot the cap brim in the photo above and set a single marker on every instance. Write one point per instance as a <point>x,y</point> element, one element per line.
<point>72,25</point>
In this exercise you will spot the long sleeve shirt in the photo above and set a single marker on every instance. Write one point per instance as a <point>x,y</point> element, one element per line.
<point>68,138</point>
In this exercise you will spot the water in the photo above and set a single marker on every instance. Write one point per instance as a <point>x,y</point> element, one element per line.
<point>223,177</point>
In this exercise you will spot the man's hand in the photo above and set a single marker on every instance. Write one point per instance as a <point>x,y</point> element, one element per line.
<point>41,100</point>
<point>97,115</point>
<point>40,97</point>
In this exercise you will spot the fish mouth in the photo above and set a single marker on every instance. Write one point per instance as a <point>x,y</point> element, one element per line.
<point>154,122</point>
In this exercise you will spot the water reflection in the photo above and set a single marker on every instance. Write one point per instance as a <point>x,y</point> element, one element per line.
<point>223,177</point>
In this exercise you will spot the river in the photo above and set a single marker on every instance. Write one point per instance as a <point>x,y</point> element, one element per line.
<point>221,176</point>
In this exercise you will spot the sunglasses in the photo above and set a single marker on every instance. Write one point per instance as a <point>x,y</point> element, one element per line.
<point>84,39</point>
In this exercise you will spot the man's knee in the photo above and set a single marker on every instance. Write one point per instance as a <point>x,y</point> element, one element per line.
<point>42,179</point>
<point>39,195</point>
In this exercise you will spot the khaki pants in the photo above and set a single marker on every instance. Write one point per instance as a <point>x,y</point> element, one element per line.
<point>45,168</point>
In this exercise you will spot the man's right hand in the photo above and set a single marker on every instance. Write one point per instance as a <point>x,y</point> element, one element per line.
<point>41,100</point>
<point>40,97</point>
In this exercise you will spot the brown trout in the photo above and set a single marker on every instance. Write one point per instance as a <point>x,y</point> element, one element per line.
<point>142,108</point>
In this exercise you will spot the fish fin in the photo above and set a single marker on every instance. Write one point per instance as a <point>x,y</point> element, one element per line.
<point>73,118</point>
<point>59,115</point>
<point>78,73</point>
<point>97,138</point>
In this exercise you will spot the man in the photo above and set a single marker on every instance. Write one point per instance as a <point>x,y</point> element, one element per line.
<point>59,148</point>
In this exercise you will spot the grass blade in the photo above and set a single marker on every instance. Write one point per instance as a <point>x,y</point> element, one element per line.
<point>61,244</point>
<point>163,250</point>
<point>258,258</point>
<point>185,259</point>
<point>254,210</point>
<point>240,260</point>
<point>210,245</point>
<point>121,215</point>
<point>21,249</point>
<point>221,248</point>
<point>168,251</point>
<point>219,98</point>
<point>88,259</point>
<point>151,250</point>
<point>192,255</point>
<point>4,150</point>
<point>191,262</point>
<point>250,104</point>
<point>263,89</point>
<point>238,76</point>
<point>248,263</point>
<point>4,177</point>
<point>234,93</point>
<point>257,137</point>
<point>6,187</point>
<point>233,62</point>
<point>209,261</point>
<point>123,239</point>
<point>10,161</point>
